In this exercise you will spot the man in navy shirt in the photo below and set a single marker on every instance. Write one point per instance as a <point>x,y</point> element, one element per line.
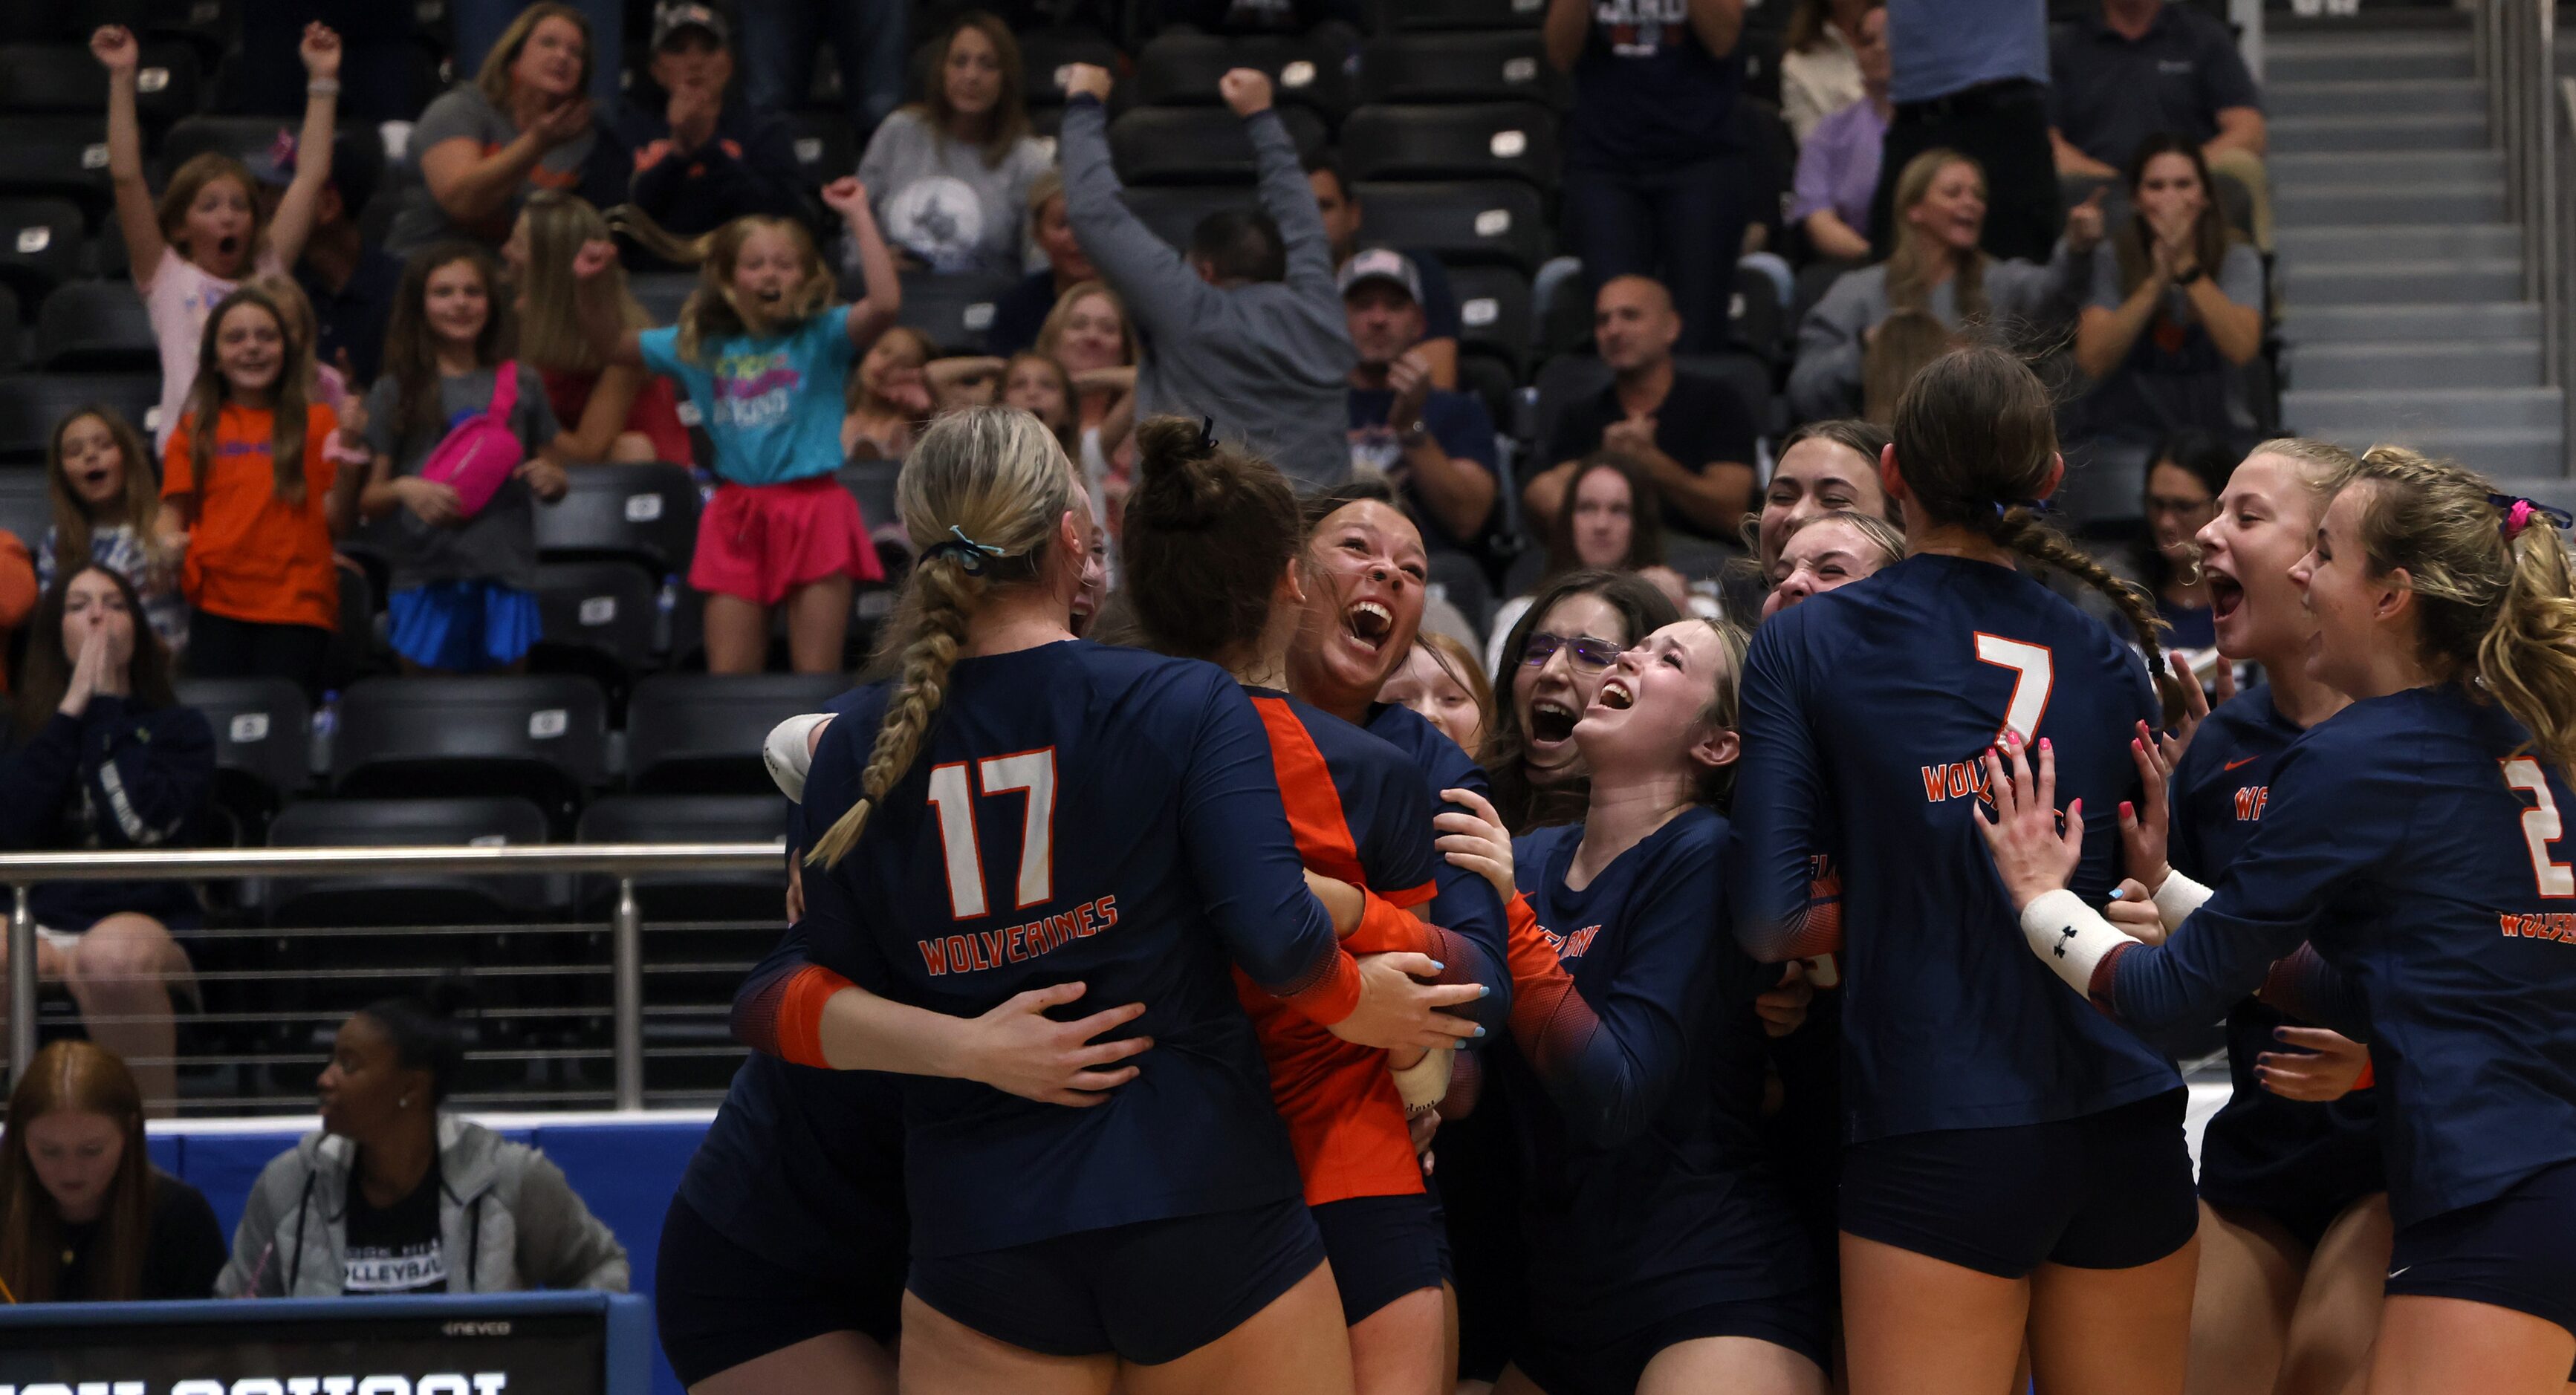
<point>1972,76</point>
<point>1341,210</point>
<point>2139,68</point>
<point>1437,447</point>
<point>702,160</point>
<point>350,281</point>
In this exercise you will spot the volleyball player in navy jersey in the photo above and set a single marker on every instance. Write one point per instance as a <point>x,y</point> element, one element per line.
<point>2409,867</point>
<point>1972,1088</point>
<point>1123,805</point>
<point>2294,1229</point>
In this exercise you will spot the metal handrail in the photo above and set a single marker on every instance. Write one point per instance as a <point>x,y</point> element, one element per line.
<point>625,861</point>
<point>2515,48</point>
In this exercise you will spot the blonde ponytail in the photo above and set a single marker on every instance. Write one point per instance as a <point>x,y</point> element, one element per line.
<point>981,496</point>
<point>2528,656</point>
<point>711,312</point>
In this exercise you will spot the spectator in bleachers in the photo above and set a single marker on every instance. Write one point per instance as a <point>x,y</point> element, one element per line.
<point>1436,447</point>
<point>1829,551</point>
<point>1088,332</point>
<point>604,411</point>
<point>951,173</point>
<point>1553,662</point>
<point>324,383</point>
<point>889,397</point>
<point>17,596</point>
<point>703,155</point>
<point>84,1215</point>
<point>195,246</point>
<point>1692,435</point>
<point>378,1200</point>
<point>464,590</point>
<point>2186,472</point>
<point>1441,679</point>
<point>109,761</point>
<point>1972,76</point>
<point>1248,328</point>
<point>526,122</point>
<point>1940,268</point>
<point>1656,181</point>
<point>1821,71</point>
<point>1342,216</point>
<point>1039,386</point>
<point>252,498</point>
<point>2138,69</point>
<point>348,281</point>
<point>480,26</point>
<point>1019,313</point>
<point>869,45</point>
<point>1612,524</point>
<point>107,513</point>
<point>2176,310</point>
<point>1838,157</point>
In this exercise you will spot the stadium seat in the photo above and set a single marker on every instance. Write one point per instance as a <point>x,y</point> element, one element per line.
<point>1421,15</point>
<point>95,327</point>
<point>1496,222</point>
<point>9,329</point>
<point>1485,140</point>
<point>40,246</point>
<point>955,311</point>
<point>1492,378</point>
<point>871,482</point>
<point>826,148</point>
<point>65,78</point>
<point>1561,304</point>
<point>642,513</point>
<point>1046,53</point>
<point>540,736</point>
<point>26,506</point>
<point>700,733</point>
<point>662,293</point>
<point>263,745</point>
<point>1176,145</point>
<point>1181,70</point>
<point>689,818</point>
<point>58,157</point>
<point>245,138</point>
<point>1758,50</point>
<point>1493,312</point>
<point>418,899</point>
<point>31,404</point>
<point>1504,66</point>
<point>1173,211</point>
<point>1756,321</point>
<point>599,622</point>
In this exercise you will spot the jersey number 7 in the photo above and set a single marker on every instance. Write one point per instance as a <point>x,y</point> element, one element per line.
<point>2540,826</point>
<point>2034,673</point>
<point>1029,772</point>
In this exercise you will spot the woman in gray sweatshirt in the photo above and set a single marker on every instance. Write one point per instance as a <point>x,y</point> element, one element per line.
<point>1938,269</point>
<point>393,1196</point>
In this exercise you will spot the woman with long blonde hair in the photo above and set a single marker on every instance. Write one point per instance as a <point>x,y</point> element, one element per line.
<point>84,1215</point>
<point>608,411</point>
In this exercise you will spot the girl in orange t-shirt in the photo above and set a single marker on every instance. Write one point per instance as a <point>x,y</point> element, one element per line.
<point>254,501</point>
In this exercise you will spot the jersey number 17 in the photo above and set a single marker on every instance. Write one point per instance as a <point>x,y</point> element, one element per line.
<point>1031,773</point>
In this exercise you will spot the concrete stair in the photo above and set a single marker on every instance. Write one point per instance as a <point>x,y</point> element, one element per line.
<point>2403,309</point>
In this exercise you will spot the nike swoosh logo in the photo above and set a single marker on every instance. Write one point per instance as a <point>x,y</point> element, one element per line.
<point>2393,1273</point>
<point>2248,760</point>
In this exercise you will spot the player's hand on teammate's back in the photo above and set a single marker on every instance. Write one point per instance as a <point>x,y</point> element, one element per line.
<point>2031,855</point>
<point>1017,1049</point>
<point>1397,1009</point>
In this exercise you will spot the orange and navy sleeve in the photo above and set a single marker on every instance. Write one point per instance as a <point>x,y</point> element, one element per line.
<point>778,1010</point>
<point>1234,832</point>
<point>1457,918</point>
<point>1610,1057</point>
<point>1779,806</point>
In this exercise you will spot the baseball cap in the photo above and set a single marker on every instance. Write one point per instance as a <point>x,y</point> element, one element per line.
<point>357,160</point>
<point>1381,264</point>
<point>670,19</point>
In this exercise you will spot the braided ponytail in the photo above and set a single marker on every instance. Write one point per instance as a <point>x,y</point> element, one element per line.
<point>980,495</point>
<point>1976,442</point>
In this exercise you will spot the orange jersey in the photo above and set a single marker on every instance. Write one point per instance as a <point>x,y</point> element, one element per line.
<point>251,555</point>
<point>1361,813</point>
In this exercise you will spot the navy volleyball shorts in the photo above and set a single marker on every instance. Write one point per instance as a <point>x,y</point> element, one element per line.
<point>1382,1248</point>
<point>719,1305</point>
<point>2517,1251</point>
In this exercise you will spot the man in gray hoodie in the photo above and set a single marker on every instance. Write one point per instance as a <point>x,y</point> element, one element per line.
<point>1249,329</point>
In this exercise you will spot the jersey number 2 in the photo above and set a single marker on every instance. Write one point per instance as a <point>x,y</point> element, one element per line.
<point>2033,675</point>
<point>1030,772</point>
<point>2541,827</point>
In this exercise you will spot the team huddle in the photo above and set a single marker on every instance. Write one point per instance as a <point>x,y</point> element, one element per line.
<point>1175,1014</point>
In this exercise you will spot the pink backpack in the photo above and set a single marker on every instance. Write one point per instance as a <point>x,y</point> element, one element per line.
<point>480,454</point>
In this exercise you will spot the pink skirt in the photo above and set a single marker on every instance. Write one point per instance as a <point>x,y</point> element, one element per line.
<point>761,541</point>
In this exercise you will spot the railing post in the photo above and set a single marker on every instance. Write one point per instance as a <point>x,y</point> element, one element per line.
<point>22,981</point>
<point>628,953</point>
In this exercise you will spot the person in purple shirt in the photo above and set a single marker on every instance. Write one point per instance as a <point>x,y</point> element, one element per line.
<point>1838,162</point>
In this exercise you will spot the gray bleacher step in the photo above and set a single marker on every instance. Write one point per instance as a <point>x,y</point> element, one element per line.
<point>2489,451</point>
<point>2363,243</point>
<point>2426,409</point>
<point>2297,167</point>
<point>2460,363</point>
<point>2355,57</point>
<point>2371,96</point>
<point>2447,201</point>
<point>2495,319</point>
<point>2391,131</point>
<point>2426,280</point>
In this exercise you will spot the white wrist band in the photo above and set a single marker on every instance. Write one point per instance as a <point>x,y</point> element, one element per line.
<point>1424,1082</point>
<point>789,752</point>
<point>2069,937</point>
<point>2177,899</point>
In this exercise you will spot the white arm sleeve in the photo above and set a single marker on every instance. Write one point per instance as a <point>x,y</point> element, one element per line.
<point>789,752</point>
<point>2177,899</point>
<point>2069,937</point>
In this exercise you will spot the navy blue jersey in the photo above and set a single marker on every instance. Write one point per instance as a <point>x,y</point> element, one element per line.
<point>1466,905</point>
<point>2261,1150</point>
<point>2413,842</point>
<point>1080,812</point>
<point>1637,1088</point>
<point>1866,712</point>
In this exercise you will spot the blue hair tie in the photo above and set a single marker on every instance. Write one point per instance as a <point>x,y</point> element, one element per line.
<point>2003,507</point>
<point>967,553</point>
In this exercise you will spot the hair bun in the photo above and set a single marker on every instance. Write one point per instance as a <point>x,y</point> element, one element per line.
<point>1173,492</point>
